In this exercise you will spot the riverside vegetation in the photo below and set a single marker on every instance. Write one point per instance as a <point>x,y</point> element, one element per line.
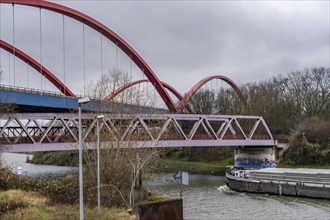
<point>120,187</point>
<point>296,105</point>
<point>26,198</point>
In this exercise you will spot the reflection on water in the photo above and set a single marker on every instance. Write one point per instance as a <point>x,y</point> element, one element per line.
<point>207,197</point>
<point>12,160</point>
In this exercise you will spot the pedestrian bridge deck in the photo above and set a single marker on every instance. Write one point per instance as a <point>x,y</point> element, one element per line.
<point>28,132</point>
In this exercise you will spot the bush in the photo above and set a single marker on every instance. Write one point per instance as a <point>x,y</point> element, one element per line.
<point>58,158</point>
<point>116,179</point>
<point>10,201</point>
<point>59,191</point>
<point>8,180</point>
<point>210,154</point>
<point>309,144</point>
<point>63,190</point>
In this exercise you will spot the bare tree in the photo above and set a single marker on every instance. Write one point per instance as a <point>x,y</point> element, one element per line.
<point>308,89</point>
<point>121,166</point>
<point>203,102</point>
<point>107,84</point>
<point>228,102</point>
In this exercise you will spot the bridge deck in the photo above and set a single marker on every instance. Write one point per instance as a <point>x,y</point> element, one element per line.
<point>33,100</point>
<point>28,132</point>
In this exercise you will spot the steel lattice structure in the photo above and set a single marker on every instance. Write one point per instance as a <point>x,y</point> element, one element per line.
<point>48,132</point>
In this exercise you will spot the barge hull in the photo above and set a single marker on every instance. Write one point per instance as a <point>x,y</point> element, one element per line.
<point>279,189</point>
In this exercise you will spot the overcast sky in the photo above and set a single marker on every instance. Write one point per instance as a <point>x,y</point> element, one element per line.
<point>185,41</point>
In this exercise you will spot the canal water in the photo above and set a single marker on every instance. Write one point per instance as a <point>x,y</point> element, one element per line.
<point>207,197</point>
<point>13,160</point>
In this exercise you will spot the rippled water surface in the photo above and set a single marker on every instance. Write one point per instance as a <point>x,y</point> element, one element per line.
<point>207,197</point>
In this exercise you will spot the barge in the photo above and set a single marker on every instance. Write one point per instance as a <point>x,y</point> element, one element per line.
<point>314,183</point>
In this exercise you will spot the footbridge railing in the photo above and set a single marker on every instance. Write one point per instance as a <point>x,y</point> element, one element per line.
<point>30,132</point>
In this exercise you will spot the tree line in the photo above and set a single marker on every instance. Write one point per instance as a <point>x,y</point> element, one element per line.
<point>296,105</point>
<point>284,101</point>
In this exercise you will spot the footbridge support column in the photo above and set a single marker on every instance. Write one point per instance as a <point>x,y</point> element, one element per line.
<point>255,157</point>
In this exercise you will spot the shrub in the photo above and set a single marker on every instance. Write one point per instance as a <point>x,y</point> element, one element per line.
<point>59,158</point>
<point>309,144</point>
<point>63,190</point>
<point>8,180</point>
<point>11,200</point>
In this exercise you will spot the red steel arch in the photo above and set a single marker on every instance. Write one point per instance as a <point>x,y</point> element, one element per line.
<point>128,85</point>
<point>37,66</point>
<point>195,88</point>
<point>105,31</point>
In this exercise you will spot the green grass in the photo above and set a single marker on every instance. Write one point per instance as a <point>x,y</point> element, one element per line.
<point>282,164</point>
<point>36,207</point>
<point>59,158</point>
<point>67,212</point>
<point>176,163</point>
<point>13,200</point>
<point>153,197</point>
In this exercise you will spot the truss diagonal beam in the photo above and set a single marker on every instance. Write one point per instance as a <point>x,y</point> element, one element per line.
<point>146,128</point>
<point>24,130</point>
<point>167,130</point>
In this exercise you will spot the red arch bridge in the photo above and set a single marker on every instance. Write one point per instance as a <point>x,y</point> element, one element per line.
<point>105,32</point>
<point>48,132</point>
<point>28,132</point>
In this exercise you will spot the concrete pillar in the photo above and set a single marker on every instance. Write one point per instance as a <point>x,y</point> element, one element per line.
<point>280,189</point>
<point>255,157</point>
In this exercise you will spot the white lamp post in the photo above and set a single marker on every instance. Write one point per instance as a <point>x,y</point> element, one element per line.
<point>98,160</point>
<point>81,189</point>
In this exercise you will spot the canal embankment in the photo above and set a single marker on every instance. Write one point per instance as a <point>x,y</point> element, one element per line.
<point>193,167</point>
<point>209,163</point>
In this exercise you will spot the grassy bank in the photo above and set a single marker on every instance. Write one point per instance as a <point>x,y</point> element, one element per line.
<point>22,197</point>
<point>18,204</point>
<point>283,164</point>
<point>58,158</point>
<point>171,163</point>
<point>175,162</point>
<point>216,168</point>
<point>212,161</point>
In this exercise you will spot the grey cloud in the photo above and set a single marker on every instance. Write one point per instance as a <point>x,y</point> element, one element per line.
<point>185,41</point>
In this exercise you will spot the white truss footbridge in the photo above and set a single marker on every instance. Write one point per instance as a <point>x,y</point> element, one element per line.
<point>51,132</point>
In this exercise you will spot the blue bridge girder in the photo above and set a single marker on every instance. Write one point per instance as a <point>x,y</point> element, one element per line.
<point>33,100</point>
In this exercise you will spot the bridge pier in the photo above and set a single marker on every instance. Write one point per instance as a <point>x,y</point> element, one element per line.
<point>255,157</point>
